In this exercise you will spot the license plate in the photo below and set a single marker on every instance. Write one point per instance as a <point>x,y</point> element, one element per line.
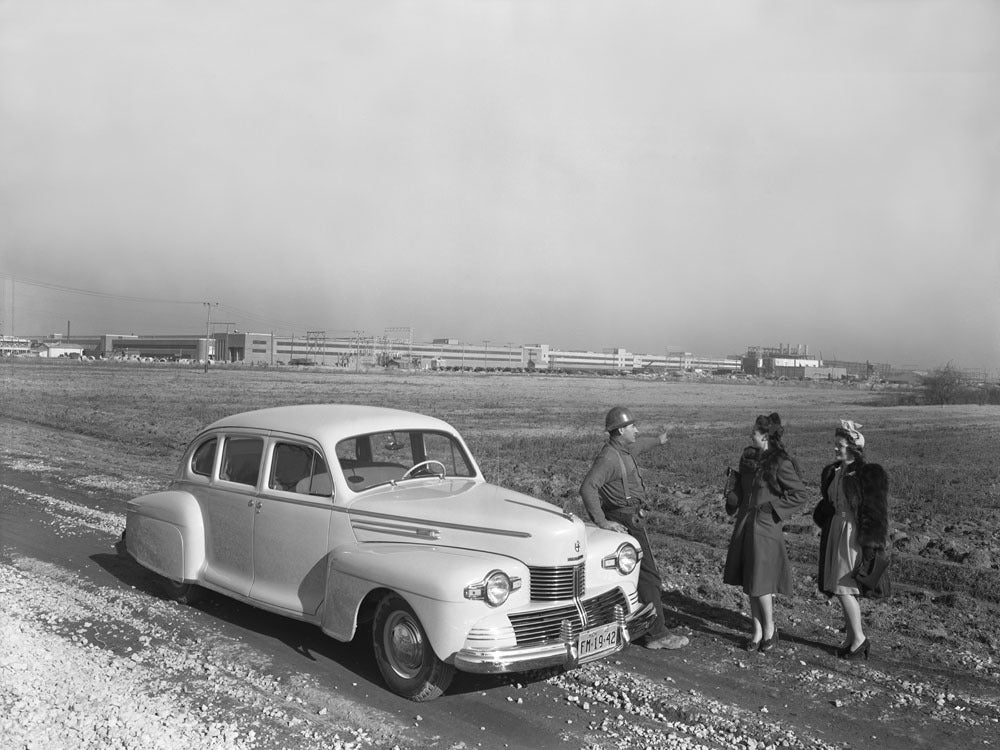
<point>597,641</point>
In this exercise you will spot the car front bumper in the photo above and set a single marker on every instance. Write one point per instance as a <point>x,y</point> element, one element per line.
<point>563,652</point>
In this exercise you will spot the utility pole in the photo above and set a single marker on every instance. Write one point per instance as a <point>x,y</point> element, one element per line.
<point>357,350</point>
<point>208,327</point>
<point>486,349</point>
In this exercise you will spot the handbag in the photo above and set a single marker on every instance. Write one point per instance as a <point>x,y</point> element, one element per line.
<point>823,512</point>
<point>872,575</point>
<point>729,489</point>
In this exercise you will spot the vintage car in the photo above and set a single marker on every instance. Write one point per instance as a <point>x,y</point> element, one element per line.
<point>341,515</point>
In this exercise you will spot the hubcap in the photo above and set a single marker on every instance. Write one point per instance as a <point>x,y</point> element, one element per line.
<point>404,645</point>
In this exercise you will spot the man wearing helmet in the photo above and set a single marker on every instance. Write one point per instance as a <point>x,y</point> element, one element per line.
<point>615,497</point>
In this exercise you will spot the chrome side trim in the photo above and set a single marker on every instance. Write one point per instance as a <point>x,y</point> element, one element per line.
<point>554,511</point>
<point>439,524</point>
<point>406,531</point>
<point>268,495</point>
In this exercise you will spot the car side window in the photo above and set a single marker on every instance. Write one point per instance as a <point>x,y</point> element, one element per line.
<point>299,468</point>
<point>241,459</point>
<point>203,458</point>
<point>318,482</point>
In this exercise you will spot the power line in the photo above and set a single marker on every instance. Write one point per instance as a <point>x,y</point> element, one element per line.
<point>272,322</point>
<point>93,293</point>
<point>247,315</point>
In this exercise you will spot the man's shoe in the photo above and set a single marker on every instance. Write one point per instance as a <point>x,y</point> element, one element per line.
<point>668,641</point>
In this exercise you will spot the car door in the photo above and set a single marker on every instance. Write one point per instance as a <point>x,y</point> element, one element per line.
<point>228,505</point>
<point>291,528</point>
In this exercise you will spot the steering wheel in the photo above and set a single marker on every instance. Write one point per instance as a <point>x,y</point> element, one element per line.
<point>424,464</point>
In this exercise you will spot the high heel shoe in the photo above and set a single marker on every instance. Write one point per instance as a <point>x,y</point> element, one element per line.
<point>857,653</point>
<point>768,644</point>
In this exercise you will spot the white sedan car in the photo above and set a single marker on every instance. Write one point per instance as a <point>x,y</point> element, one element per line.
<point>348,515</point>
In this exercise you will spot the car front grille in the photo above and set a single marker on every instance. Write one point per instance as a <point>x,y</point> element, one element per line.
<point>558,583</point>
<point>533,628</point>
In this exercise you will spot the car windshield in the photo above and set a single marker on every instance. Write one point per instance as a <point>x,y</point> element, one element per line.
<point>383,457</point>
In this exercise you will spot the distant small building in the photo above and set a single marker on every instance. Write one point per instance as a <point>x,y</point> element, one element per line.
<point>53,349</point>
<point>258,348</point>
<point>818,373</point>
<point>12,346</point>
<point>784,360</point>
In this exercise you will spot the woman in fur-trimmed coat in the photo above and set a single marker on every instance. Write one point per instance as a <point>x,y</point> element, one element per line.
<point>767,490</point>
<point>853,516</point>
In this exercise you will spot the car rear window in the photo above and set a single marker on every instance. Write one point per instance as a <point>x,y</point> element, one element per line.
<point>203,458</point>
<point>241,460</point>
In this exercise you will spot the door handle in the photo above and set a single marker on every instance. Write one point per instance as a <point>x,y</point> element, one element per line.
<point>250,503</point>
<point>259,504</point>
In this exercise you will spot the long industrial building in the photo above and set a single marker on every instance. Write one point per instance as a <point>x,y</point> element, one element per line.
<point>395,349</point>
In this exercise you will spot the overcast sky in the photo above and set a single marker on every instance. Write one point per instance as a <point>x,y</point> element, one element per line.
<point>686,175</point>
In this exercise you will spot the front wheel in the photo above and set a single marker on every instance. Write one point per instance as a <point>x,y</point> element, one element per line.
<point>404,655</point>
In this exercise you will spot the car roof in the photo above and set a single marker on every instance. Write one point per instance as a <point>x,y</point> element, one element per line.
<point>329,423</point>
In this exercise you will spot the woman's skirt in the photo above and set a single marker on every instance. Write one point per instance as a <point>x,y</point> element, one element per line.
<point>842,554</point>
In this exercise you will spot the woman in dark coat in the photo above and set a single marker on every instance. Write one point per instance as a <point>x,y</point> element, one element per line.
<point>767,490</point>
<point>853,516</point>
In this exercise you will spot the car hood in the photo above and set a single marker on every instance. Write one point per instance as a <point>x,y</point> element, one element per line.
<point>471,515</point>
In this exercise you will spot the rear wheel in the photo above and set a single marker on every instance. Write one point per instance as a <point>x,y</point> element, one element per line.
<point>404,655</point>
<point>185,593</point>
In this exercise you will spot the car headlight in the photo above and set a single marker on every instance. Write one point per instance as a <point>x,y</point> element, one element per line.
<point>494,588</point>
<point>625,558</point>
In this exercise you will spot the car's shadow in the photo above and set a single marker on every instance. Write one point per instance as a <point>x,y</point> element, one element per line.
<point>304,639</point>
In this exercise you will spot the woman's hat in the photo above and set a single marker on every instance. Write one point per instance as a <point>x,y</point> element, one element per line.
<point>853,429</point>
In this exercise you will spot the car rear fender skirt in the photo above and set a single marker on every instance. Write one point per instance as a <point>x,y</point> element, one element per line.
<point>165,533</point>
<point>431,579</point>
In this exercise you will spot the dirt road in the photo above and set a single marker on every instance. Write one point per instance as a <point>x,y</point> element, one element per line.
<point>93,657</point>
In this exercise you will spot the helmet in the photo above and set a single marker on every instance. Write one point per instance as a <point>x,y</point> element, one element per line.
<point>617,418</point>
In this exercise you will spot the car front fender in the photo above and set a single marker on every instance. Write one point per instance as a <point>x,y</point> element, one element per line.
<point>165,533</point>
<point>431,579</point>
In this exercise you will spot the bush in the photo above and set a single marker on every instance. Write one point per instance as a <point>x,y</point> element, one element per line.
<point>943,386</point>
<point>947,386</point>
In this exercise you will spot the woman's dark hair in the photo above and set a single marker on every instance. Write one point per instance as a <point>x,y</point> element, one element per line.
<point>853,448</point>
<point>770,426</point>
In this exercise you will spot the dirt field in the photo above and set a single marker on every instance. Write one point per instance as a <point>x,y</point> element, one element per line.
<point>537,434</point>
<point>117,431</point>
